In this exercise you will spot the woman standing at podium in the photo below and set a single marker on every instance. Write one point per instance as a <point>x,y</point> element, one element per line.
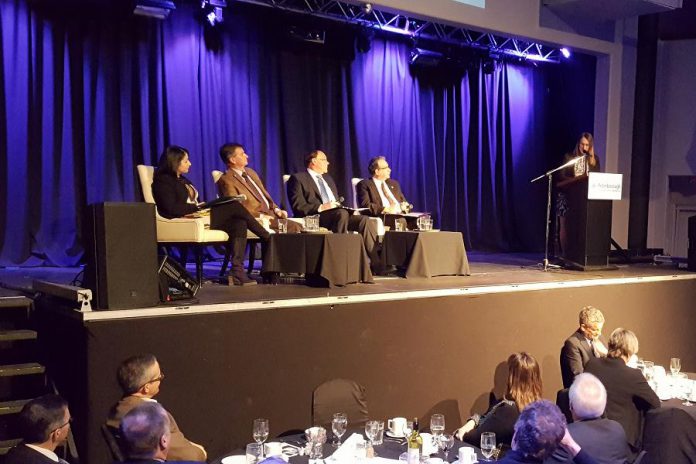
<point>176,196</point>
<point>587,162</point>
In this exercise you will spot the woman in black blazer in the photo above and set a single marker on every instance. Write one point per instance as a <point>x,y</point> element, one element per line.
<point>176,196</point>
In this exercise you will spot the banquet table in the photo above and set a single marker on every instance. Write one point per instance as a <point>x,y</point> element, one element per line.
<point>331,259</point>
<point>426,253</point>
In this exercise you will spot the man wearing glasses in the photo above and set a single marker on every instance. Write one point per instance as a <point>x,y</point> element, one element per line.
<point>44,424</point>
<point>314,192</point>
<point>381,194</point>
<point>585,344</point>
<point>140,378</point>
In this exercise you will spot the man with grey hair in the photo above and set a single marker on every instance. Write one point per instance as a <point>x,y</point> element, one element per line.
<point>604,439</point>
<point>145,434</point>
<point>140,378</point>
<point>628,393</point>
<point>584,344</point>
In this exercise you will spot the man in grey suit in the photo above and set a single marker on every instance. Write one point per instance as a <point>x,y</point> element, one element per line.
<point>584,344</point>
<point>604,439</point>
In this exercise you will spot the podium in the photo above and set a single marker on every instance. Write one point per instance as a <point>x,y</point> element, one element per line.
<point>588,220</point>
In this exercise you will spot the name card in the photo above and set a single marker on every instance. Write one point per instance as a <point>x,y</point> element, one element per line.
<point>604,186</point>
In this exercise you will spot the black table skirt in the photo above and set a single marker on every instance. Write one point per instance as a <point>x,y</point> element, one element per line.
<point>337,259</point>
<point>426,254</point>
<point>669,435</point>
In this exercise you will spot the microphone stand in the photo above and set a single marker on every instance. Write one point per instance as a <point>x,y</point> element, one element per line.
<point>549,174</point>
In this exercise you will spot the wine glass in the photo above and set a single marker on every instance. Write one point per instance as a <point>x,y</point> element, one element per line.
<point>371,431</point>
<point>437,425</point>
<point>339,424</point>
<point>408,429</point>
<point>254,452</point>
<point>260,432</point>
<point>446,443</point>
<point>690,392</point>
<point>674,366</point>
<point>487,445</point>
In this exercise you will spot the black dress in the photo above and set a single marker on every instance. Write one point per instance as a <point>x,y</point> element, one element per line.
<point>499,419</point>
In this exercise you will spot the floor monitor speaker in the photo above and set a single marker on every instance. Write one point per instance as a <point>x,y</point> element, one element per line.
<point>121,255</point>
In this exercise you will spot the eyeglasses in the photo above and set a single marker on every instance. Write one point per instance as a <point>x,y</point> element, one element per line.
<point>69,421</point>
<point>384,167</point>
<point>156,379</point>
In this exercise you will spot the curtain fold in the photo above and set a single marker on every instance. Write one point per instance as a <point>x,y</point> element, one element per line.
<point>84,99</point>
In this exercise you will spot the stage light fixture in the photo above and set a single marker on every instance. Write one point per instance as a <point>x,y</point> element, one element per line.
<point>159,9</point>
<point>212,11</point>
<point>317,36</point>
<point>423,57</point>
<point>367,8</point>
<point>565,52</point>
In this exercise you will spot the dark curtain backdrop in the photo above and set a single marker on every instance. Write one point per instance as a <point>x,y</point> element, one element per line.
<point>84,98</point>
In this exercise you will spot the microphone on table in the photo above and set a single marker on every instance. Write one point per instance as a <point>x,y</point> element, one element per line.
<point>240,197</point>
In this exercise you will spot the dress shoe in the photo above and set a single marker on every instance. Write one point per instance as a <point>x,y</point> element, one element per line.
<point>240,278</point>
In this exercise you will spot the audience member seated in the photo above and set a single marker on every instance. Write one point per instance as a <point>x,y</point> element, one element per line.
<point>628,393</point>
<point>146,434</point>
<point>523,387</point>
<point>176,196</point>
<point>381,194</point>
<point>314,192</point>
<point>586,343</point>
<point>239,179</point>
<point>140,378</point>
<point>604,439</point>
<point>540,429</point>
<point>44,424</point>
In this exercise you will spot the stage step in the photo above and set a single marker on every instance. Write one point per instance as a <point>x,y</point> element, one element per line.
<point>5,445</point>
<point>12,370</point>
<point>12,407</point>
<point>14,335</point>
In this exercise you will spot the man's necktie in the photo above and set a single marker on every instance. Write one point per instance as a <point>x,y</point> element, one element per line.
<point>322,190</point>
<point>250,185</point>
<point>385,191</point>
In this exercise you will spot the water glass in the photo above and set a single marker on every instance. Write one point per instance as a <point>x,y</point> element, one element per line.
<point>674,366</point>
<point>282,226</point>
<point>437,425</point>
<point>379,437</point>
<point>690,392</point>
<point>446,443</point>
<point>254,453</point>
<point>260,432</point>
<point>487,445</point>
<point>399,226</point>
<point>339,424</point>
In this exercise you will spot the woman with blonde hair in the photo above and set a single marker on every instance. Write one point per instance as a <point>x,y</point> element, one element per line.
<point>523,387</point>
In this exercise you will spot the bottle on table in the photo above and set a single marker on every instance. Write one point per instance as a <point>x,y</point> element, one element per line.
<point>415,444</point>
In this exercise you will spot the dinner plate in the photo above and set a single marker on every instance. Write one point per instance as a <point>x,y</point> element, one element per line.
<point>391,434</point>
<point>234,460</point>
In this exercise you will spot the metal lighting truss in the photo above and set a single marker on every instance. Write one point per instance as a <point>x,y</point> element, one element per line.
<point>417,28</point>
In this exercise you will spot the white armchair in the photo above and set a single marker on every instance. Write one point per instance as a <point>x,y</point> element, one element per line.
<point>354,181</point>
<point>181,231</point>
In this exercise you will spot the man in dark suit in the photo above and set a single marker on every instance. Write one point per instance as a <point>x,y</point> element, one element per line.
<point>381,194</point>
<point>628,393</point>
<point>586,343</point>
<point>145,434</point>
<point>44,425</point>
<point>314,192</point>
<point>140,378</point>
<point>604,439</point>
<point>239,179</point>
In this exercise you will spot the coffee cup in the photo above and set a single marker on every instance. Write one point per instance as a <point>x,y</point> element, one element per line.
<point>396,426</point>
<point>273,448</point>
<point>467,455</point>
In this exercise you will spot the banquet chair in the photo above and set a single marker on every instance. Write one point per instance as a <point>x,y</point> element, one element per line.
<point>111,437</point>
<point>379,223</point>
<point>189,232</point>
<point>563,403</point>
<point>339,395</point>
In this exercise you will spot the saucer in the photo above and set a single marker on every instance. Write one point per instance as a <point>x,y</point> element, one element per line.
<point>234,460</point>
<point>391,434</point>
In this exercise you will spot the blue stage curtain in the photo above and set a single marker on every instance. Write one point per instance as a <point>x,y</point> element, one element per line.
<point>85,98</point>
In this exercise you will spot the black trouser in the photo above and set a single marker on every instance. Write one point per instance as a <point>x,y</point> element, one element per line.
<point>234,219</point>
<point>339,220</point>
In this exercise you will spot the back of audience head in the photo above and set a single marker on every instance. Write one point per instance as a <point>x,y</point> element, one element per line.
<point>622,344</point>
<point>588,397</point>
<point>539,430</point>
<point>524,379</point>
<point>45,420</point>
<point>138,372</point>
<point>591,321</point>
<point>145,431</point>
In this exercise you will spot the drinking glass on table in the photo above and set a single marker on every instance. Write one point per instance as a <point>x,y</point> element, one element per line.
<point>446,442</point>
<point>674,366</point>
<point>371,430</point>
<point>690,392</point>
<point>487,445</point>
<point>254,453</point>
<point>260,432</point>
<point>339,424</point>
<point>437,425</point>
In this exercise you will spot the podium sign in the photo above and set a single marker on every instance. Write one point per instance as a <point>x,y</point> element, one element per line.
<point>604,186</point>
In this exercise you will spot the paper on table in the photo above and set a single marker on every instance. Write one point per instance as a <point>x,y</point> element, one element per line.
<point>346,452</point>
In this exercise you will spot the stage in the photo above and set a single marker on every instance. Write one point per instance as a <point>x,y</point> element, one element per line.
<point>418,345</point>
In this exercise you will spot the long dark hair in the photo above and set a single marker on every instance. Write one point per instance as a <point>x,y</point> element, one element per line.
<point>170,159</point>
<point>524,379</point>
<point>585,135</point>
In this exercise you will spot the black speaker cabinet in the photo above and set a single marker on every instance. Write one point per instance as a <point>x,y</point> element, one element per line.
<point>692,244</point>
<point>121,255</point>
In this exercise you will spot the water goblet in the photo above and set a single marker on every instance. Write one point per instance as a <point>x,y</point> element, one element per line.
<point>674,366</point>
<point>339,424</point>
<point>487,445</point>
<point>260,432</point>
<point>690,392</point>
<point>371,430</point>
<point>446,443</point>
<point>437,425</point>
<point>254,453</point>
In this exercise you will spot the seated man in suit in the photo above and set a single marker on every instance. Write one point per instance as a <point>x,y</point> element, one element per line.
<point>628,393</point>
<point>314,192</point>
<point>146,435</point>
<point>44,424</point>
<point>586,343</point>
<point>381,194</point>
<point>242,180</point>
<point>140,378</point>
<point>604,439</point>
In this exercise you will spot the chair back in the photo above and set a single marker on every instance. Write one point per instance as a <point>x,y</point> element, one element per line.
<point>216,175</point>
<point>339,395</point>
<point>354,182</point>
<point>146,175</point>
<point>563,403</point>
<point>284,201</point>
<point>112,438</point>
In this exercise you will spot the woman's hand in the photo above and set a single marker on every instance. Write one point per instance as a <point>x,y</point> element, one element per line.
<point>464,429</point>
